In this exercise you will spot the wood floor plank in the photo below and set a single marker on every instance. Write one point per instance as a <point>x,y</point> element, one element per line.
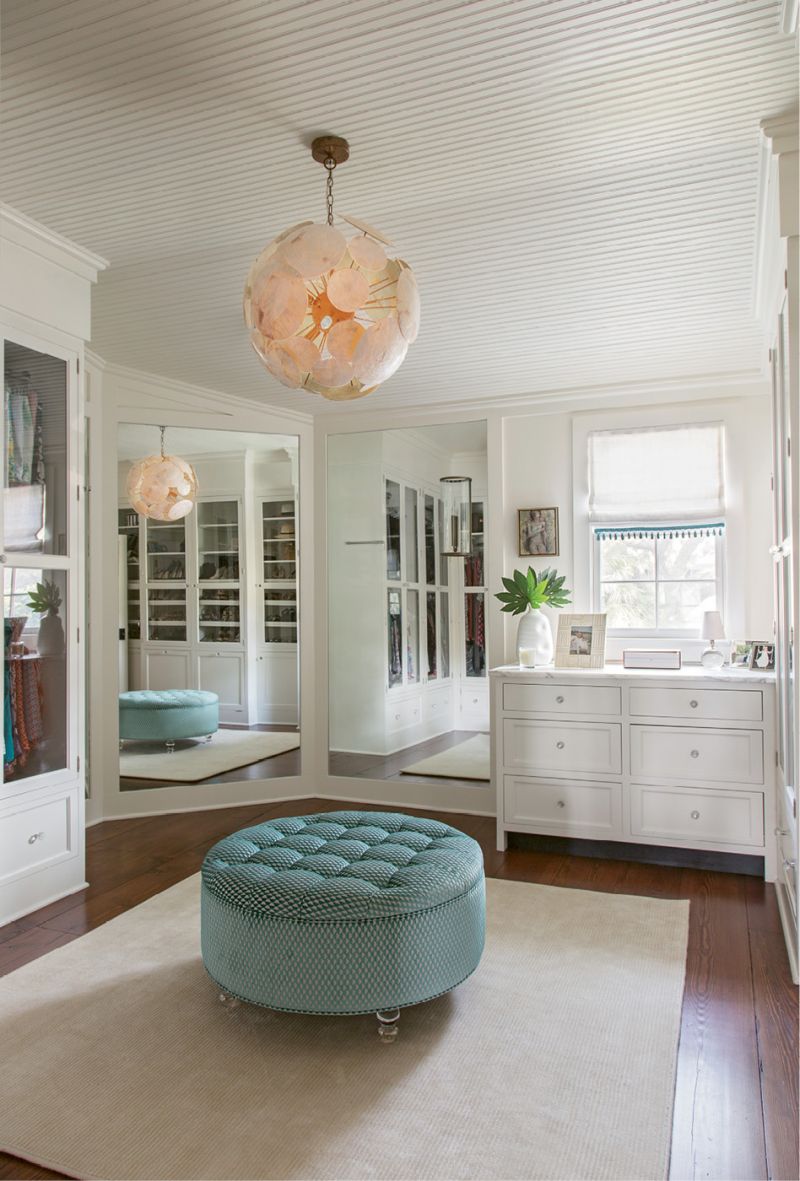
<point>776,1009</point>
<point>739,1018</point>
<point>718,1128</point>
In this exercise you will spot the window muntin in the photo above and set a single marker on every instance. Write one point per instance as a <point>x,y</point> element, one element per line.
<point>658,579</point>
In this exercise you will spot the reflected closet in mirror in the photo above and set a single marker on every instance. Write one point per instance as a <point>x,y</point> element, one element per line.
<point>407,648</point>
<point>208,613</point>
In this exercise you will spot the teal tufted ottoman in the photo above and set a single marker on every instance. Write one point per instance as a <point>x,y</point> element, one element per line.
<point>168,714</point>
<point>343,912</point>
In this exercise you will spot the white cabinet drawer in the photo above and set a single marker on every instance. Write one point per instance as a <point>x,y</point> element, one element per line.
<point>686,814</point>
<point>37,835</point>
<point>715,705</point>
<point>587,809</point>
<point>562,699</point>
<point>562,746</point>
<point>714,756</point>
<point>437,703</point>
<point>400,714</point>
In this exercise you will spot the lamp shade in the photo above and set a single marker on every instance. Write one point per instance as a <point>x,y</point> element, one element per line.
<point>456,540</point>
<point>712,628</point>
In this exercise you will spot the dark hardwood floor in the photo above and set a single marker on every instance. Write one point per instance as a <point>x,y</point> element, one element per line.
<point>736,1104</point>
<point>359,766</point>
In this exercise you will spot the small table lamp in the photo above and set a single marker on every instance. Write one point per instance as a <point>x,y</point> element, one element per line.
<point>712,630</point>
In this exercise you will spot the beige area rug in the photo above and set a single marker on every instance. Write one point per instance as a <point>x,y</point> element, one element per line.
<point>194,759</point>
<point>556,1059</point>
<point>468,760</point>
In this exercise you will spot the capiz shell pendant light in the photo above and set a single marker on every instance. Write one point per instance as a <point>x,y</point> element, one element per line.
<point>162,487</point>
<point>330,313</point>
<point>456,541</point>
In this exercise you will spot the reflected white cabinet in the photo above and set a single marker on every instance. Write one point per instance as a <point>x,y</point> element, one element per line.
<point>684,759</point>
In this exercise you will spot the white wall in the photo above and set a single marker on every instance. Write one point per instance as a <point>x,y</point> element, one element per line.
<point>538,471</point>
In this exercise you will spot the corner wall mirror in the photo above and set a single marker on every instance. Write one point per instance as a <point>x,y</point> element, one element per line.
<point>406,623</point>
<point>208,609</point>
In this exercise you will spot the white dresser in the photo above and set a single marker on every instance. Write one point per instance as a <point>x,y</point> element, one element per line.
<point>684,759</point>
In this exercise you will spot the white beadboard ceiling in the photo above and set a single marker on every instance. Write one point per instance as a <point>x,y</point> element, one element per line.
<point>574,181</point>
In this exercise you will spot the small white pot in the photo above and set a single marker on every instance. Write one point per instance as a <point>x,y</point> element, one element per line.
<point>534,639</point>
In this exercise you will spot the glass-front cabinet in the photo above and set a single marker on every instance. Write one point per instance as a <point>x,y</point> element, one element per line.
<point>475,598</point>
<point>40,557</point>
<point>219,591</point>
<point>279,544</point>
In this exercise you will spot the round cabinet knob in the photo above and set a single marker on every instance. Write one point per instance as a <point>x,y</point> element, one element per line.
<point>560,700</point>
<point>693,704</point>
<point>695,754</point>
<point>559,746</point>
<point>561,804</point>
<point>397,717</point>
<point>789,863</point>
<point>474,700</point>
<point>695,815</point>
<point>34,837</point>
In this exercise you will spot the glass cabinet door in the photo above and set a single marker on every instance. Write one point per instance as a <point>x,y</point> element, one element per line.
<point>475,598</point>
<point>412,535</point>
<point>279,541</point>
<point>395,638</point>
<point>36,614</point>
<point>393,547</point>
<point>166,581</point>
<point>36,461</point>
<point>129,529</point>
<point>219,590</point>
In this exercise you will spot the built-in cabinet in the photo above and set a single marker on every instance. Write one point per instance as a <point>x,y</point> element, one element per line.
<point>683,759</point>
<point>779,304</point>
<point>42,793</point>
<point>206,610</point>
<point>407,635</point>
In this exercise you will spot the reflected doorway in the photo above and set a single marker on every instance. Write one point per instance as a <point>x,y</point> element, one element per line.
<point>208,614</point>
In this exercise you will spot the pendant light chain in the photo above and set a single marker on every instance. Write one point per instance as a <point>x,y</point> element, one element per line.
<point>330,164</point>
<point>163,430</point>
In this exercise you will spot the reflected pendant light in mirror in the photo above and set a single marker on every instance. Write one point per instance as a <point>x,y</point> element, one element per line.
<point>330,313</point>
<point>457,516</point>
<point>162,487</point>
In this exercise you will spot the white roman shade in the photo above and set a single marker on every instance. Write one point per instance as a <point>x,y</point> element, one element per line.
<point>673,473</point>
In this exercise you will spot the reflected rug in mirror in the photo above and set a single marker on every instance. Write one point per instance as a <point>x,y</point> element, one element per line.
<point>555,1059</point>
<point>195,759</point>
<point>467,760</point>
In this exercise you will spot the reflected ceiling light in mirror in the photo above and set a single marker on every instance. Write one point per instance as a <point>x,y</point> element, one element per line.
<point>162,487</point>
<point>328,312</point>
<point>456,541</point>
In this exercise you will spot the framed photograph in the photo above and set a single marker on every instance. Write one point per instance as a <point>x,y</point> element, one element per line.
<point>581,641</point>
<point>762,655</point>
<point>740,653</point>
<point>538,532</point>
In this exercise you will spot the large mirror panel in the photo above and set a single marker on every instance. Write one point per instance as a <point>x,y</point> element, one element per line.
<point>408,685</point>
<point>208,607</point>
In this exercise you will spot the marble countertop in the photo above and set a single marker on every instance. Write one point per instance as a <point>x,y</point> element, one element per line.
<point>727,676</point>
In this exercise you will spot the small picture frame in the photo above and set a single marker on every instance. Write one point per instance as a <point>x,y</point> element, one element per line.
<point>537,532</point>
<point>740,653</point>
<point>581,641</point>
<point>762,656</point>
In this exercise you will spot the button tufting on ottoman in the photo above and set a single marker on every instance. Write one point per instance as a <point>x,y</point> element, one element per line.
<point>342,912</point>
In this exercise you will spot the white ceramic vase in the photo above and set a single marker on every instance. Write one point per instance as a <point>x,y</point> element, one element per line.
<point>51,635</point>
<point>534,639</point>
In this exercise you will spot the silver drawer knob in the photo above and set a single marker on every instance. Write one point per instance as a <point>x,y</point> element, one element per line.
<point>561,804</point>
<point>695,754</point>
<point>781,832</point>
<point>474,700</point>
<point>559,746</point>
<point>34,837</point>
<point>560,700</point>
<point>693,704</point>
<point>789,864</point>
<point>695,815</point>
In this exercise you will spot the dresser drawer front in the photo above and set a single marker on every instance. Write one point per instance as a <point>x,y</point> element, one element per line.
<point>562,746</point>
<point>686,814</point>
<point>713,756</point>
<point>400,714</point>
<point>589,809</point>
<point>36,836</point>
<point>563,699</point>
<point>704,705</point>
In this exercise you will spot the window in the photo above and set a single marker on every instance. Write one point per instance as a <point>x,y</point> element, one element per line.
<point>656,505</point>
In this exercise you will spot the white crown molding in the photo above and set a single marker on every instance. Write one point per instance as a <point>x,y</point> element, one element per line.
<point>789,17</point>
<point>24,231</point>
<point>138,383</point>
<point>691,389</point>
<point>775,210</point>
